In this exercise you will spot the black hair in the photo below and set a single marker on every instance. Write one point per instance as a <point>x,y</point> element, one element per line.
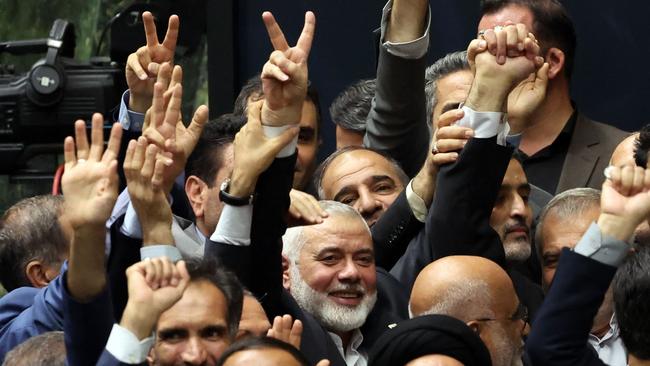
<point>350,108</point>
<point>552,25</point>
<point>211,270</point>
<point>642,147</point>
<point>206,158</point>
<point>632,302</point>
<point>252,343</point>
<point>253,89</point>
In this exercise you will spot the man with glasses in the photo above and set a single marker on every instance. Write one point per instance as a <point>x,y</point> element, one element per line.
<point>481,294</point>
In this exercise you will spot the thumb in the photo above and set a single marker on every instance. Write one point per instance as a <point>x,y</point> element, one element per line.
<point>541,79</point>
<point>279,142</point>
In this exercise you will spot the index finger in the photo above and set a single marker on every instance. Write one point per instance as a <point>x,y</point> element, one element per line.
<point>307,35</point>
<point>150,29</point>
<point>172,33</point>
<point>276,36</point>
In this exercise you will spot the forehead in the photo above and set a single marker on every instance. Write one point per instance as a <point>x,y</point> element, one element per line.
<point>513,13</point>
<point>515,175</point>
<point>355,167</point>
<point>261,357</point>
<point>202,304</point>
<point>337,233</point>
<point>557,234</point>
<point>252,308</point>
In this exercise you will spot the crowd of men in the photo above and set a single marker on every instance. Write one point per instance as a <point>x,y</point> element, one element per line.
<point>471,215</point>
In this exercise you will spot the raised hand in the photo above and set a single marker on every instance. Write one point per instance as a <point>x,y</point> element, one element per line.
<point>287,330</point>
<point>626,194</point>
<point>90,178</point>
<point>143,65</point>
<point>165,128</point>
<point>507,53</point>
<point>526,97</point>
<point>154,286</point>
<point>144,177</point>
<point>304,209</point>
<point>254,152</point>
<point>285,76</point>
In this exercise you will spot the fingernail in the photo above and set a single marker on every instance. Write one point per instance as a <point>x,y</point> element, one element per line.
<point>143,76</point>
<point>502,59</point>
<point>520,46</point>
<point>482,43</point>
<point>469,134</point>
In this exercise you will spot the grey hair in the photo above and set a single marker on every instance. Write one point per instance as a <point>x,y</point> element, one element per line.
<point>464,300</point>
<point>30,230</point>
<point>568,204</point>
<point>41,350</point>
<point>322,168</point>
<point>452,62</point>
<point>294,238</point>
<point>350,108</point>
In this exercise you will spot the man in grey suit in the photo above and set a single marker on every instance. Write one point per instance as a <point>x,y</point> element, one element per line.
<point>563,148</point>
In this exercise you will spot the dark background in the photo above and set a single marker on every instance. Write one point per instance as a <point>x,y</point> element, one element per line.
<point>611,80</point>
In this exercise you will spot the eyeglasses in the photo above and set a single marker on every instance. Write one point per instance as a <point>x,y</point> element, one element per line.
<point>520,314</point>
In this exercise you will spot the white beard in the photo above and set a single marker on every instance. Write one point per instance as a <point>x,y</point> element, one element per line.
<point>334,317</point>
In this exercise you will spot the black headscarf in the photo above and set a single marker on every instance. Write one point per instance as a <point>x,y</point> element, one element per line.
<point>429,335</point>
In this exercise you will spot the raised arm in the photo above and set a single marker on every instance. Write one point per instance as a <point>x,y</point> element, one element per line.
<point>583,276</point>
<point>466,190</point>
<point>397,122</point>
<point>90,189</point>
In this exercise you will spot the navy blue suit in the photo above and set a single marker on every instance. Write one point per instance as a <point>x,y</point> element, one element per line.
<point>561,332</point>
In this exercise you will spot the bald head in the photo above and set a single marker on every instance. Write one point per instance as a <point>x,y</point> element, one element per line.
<point>463,287</point>
<point>624,153</point>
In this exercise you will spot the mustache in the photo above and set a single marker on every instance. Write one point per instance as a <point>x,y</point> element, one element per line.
<point>518,224</point>
<point>348,287</point>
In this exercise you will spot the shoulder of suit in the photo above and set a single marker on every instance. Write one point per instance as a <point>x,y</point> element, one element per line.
<point>606,133</point>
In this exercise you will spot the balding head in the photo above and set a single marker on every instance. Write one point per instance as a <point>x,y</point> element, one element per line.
<point>461,286</point>
<point>624,153</point>
<point>481,294</point>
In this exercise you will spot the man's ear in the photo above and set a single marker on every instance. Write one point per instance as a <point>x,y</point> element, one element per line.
<point>195,189</point>
<point>286,280</point>
<point>555,58</point>
<point>38,274</point>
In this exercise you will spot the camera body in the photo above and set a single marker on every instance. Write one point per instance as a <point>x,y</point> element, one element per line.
<point>38,109</point>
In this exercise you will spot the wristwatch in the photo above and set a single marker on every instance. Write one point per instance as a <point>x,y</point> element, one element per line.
<point>229,199</point>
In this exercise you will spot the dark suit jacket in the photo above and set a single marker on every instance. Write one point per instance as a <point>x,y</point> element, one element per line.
<point>560,335</point>
<point>591,147</point>
<point>259,267</point>
<point>397,122</point>
<point>459,221</point>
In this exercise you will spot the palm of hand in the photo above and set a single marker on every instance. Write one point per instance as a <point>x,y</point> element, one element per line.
<point>524,98</point>
<point>159,54</point>
<point>90,191</point>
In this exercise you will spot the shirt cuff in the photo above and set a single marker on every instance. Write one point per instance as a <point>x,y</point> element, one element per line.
<point>234,226</point>
<point>273,131</point>
<point>131,226</point>
<point>514,140</point>
<point>126,347</point>
<point>486,124</point>
<point>409,50</point>
<point>162,250</point>
<point>601,248</point>
<point>130,120</point>
<point>418,207</point>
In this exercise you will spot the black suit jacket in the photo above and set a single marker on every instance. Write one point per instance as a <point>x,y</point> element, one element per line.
<point>459,221</point>
<point>259,267</point>
<point>560,335</point>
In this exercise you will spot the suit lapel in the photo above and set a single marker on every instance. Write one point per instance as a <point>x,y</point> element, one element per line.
<point>580,160</point>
